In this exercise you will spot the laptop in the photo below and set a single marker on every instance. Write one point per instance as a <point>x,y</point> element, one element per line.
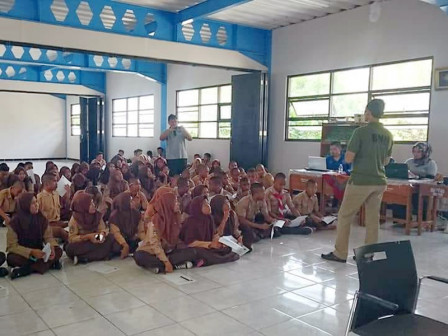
<point>317,163</point>
<point>397,171</point>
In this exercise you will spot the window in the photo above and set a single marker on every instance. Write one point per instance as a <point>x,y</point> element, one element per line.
<point>339,95</point>
<point>75,119</point>
<point>133,117</point>
<point>206,112</point>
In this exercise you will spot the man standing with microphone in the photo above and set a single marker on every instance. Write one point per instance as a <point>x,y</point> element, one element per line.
<point>176,150</point>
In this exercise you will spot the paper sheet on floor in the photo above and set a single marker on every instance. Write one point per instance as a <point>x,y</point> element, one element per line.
<point>102,268</point>
<point>329,219</point>
<point>231,242</point>
<point>47,251</point>
<point>298,221</point>
<point>61,186</point>
<point>178,279</point>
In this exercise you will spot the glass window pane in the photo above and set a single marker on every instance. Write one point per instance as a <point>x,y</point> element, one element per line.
<point>406,102</point>
<point>209,113</point>
<point>406,133</point>
<point>188,98</point>
<point>356,80</point>
<point>132,131</point>
<point>119,130</point>
<point>147,102</point>
<point>225,94</point>
<point>304,132</point>
<point>224,130</point>
<point>132,117</point>
<point>208,130</point>
<point>146,117</point>
<point>192,128</point>
<point>309,108</point>
<point>119,105</point>
<point>146,131</point>
<point>76,109</point>
<point>402,75</point>
<point>226,112</point>
<point>209,96</point>
<point>309,85</point>
<point>348,105</point>
<point>132,104</point>
<point>405,121</point>
<point>76,130</point>
<point>76,120</point>
<point>119,118</point>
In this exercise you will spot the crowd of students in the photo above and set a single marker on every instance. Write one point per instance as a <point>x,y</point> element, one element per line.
<point>136,208</point>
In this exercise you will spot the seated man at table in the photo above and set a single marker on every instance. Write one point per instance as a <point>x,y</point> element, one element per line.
<point>337,158</point>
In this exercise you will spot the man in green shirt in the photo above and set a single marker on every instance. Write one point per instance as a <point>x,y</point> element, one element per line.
<point>369,150</point>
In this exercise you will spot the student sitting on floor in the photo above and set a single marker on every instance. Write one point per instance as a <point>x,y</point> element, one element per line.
<point>50,205</point>
<point>207,160</point>
<point>126,224</point>
<point>186,175</point>
<point>183,196</point>
<point>27,234</point>
<point>252,211</point>
<point>280,206</point>
<point>8,202</point>
<point>252,176</point>
<point>151,210</point>
<point>161,250</point>
<point>226,183</point>
<point>307,204</point>
<point>198,231</point>
<point>21,175</point>
<point>202,177</point>
<point>37,184</point>
<point>235,178</point>
<point>215,188</point>
<point>264,177</point>
<point>4,173</point>
<point>138,198</point>
<point>146,180</point>
<point>89,238</point>
<point>243,190</point>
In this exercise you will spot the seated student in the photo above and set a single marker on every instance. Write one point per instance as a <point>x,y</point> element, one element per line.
<point>99,159</point>
<point>151,210</point>
<point>21,175</point>
<point>116,185</point>
<point>200,190</point>
<point>337,158</point>
<point>65,171</point>
<point>182,192</point>
<point>173,181</point>
<point>75,168</point>
<point>215,188</point>
<point>226,183</point>
<point>307,204</point>
<point>186,175</point>
<point>194,169</point>
<point>137,153</point>
<point>138,198</point>
<point>202,177</point>
<point>161,250</point>
<point>227,222</point>
<point>146,179</point>
<point>84,168</point>
<point>252,175</point>
<point>264,177</point>
<point>421,164</point>
<point>37,183</point>
<point>163,178</point>
<point>125,170</point>
<point>4,173</point>
<point>161,152</point>
<point>235,178</point>
<point>216,167</point>
<point>79,182</point>
<point>197,156</point>
<point>94,173</point>
<point>89,238</point>
<point>280,206</point>
<point>8,202</point>
<point>98,199</point>
<point>207,160</point>
<point>198,231</point>
<point>232,165</point>
<point>50,205</point>
<point>243,189</point>
<point>27,234</point>
<point>126,224</point>
<point>252,211</point>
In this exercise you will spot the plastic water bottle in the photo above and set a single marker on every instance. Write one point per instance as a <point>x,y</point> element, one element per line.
<point>341,169</point>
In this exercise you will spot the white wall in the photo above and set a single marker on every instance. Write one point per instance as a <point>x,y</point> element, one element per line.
<point>407,29</point>
<point>124,85</point>
<point>73,141</point>
<point>181,77</point>
<point>31,126</point>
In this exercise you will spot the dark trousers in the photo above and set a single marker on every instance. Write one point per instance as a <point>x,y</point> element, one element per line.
<point>177,166</point>
<point>39,266</point>
<point>176,257</point>
<point>88,251</point>
<point>57,228</point>
<point>217,256</point>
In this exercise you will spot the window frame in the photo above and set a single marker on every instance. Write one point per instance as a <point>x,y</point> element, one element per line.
<point>218,104</point>
<point>370,93</point>
<point>71,120</point>
<point>138,116</point>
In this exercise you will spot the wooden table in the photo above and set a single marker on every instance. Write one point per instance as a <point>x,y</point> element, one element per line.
<point>433,192</point>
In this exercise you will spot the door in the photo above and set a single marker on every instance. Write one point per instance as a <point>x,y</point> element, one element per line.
<point>92,128</point>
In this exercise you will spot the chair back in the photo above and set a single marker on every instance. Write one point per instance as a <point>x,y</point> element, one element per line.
<point>386,270</point>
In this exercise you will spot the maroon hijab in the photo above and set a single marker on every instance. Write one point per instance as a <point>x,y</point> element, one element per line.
<point>197,191</point>
<point>116,183</point>
<point>165,220</point>
<point>124,216</point>
<point>146,182</point>
<point>80,207</point>
<point>217,204</point>
<point>198,226</point>
<point>30,228</point>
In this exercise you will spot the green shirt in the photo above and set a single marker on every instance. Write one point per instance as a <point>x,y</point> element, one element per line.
<point>372,144</point>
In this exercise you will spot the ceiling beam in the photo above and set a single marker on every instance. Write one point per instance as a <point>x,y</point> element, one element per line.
<point>206,8</point>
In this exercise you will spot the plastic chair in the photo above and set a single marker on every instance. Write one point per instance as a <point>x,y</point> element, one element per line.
<point>388,293</point>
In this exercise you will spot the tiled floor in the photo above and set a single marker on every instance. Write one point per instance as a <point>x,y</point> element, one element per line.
<point>282,288</point>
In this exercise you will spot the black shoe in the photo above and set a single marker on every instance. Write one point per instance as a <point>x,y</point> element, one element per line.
<point>20,272</point>
<point>331,257</point>
<point>3,272</point>
<point>56,265</point>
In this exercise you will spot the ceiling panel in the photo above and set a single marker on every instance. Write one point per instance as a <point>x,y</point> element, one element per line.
<point>168,5</point>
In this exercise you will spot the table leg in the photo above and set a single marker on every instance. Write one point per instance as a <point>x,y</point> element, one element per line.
<point>420,214</point>
<point>435,203</point>
<point>409,216</point>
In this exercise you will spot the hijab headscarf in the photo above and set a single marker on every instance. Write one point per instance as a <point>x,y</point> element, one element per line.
<point>84,166</point>
<point>116,185</point>
<point>165,220</point>
<point>79,182</point>
<point>157,170</point>
<point>75,168</point>
<point>63,170</point>
<point>215,169</point>
<point>125,216</point>
<point>125,170</point>
<point>93,174</point>
<point>146,182</point>
<point>217,204</point>
<point>30,228</point>
<point>151,210</point>
<point>80,207</point>
<point>105,175</point>
<point>198,190</point>
<point>198,226</point>
<point>426,150</point>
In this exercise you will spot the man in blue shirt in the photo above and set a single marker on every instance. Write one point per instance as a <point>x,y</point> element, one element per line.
<point>337,158</point>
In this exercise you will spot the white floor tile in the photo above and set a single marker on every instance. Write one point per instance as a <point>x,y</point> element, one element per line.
<point>323,294</point>
<point>94,327</point>
<point>216,324</point>
<point>293,328</point>
<point>114,302</point>
<point>329,320</point>
<point>182,308</point>
<point>63,314</point>
<point>12,304</point>
<point>21,324</point>
<point>171,330</point>
<point>50,296</point>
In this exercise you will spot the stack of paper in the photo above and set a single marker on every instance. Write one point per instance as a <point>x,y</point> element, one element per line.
<point>231,242</point>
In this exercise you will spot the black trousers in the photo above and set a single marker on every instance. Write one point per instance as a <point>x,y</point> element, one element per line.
<point>177,166</point>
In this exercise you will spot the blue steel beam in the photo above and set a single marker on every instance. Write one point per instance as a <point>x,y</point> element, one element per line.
<point>442,3</point>
<point>205,8</point>
<point>122,18</point>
